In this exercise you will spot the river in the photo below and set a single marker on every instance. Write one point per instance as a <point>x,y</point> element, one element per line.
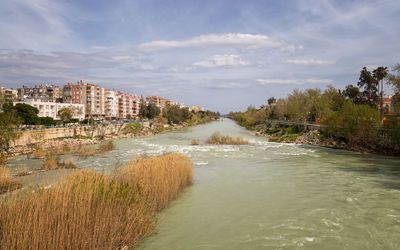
<point>266,195</point>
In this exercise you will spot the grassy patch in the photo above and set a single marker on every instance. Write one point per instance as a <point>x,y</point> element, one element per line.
<point>106,146</point>
<point>221,140</point>
<point>22,172</point>
<point>39,154</point>
<point>132,128</point>
<point>195,142</point>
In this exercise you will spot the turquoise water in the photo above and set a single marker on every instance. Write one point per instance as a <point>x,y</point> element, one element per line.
<point>267,195</point>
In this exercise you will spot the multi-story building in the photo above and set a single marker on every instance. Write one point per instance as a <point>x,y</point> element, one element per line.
<point>43,92</point>
<point>111,104</point>
<point>158,101</point>
<point>129,105</point>
<point>50,109</point>
<point>93,96</point>
<point>7,96</point>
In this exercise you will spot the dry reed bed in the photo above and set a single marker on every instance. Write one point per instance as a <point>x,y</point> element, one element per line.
<point>7,183</point>
<point>218,139</point>
<point>89,210</point>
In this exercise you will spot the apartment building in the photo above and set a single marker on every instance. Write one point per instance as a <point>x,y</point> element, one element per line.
<point>129,105</point>
<point>91,95</point>
<point>7,96</point>
<point>50,108</point>
<point>43,92</point>
<point>158,101</point>
<point>111,104</point>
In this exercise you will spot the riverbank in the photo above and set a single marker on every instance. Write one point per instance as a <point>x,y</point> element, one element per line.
<point>127,131</point>
<point>294,134</point>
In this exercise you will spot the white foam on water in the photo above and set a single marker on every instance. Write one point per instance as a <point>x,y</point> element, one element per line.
<point>201,163</point>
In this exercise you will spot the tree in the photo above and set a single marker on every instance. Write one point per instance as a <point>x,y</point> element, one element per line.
<point>143,112</point>
<point>153,111</point>
<point>369,84</point>
<point>65,114</point>
<point>394,79</point>
<point>271,101</point>
<point>379,74</point>
<point>353,93</point>
<point>9,123</point>
<point>149,111</point>
<point>27,113</point>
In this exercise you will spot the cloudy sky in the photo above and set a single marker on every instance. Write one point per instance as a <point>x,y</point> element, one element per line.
<point>223,55</point>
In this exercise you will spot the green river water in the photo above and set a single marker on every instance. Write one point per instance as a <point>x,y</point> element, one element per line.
<point>266,195</point>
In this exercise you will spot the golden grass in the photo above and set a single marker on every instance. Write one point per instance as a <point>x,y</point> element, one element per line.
<point>51,161</point>
<point>89,210</point>
<point>65,149</point>
<point>226,140</point>
<point>68,163</point>
<point>86,152</point>
<point>39,154</point>
<point>106,146</point>
<point>195,142</point>
<point>160,178</point>
<point>22,172</point>
<point>7,183</point>
<point>3,159</point>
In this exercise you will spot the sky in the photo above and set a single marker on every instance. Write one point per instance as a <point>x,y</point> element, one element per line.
<point>223,55</point>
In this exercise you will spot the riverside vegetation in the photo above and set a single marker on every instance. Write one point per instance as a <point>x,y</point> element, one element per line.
<point>349,118</point>
<point>90,210</point>
<point>13,117</point>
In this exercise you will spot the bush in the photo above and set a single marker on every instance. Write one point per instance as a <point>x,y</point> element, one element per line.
<point>47,121</point>
<point>195,142</point>
<point>132,128</point>
<point>51,162</point>
<point>220,140</point>
<point>39,154</point>
<point>106,146</point>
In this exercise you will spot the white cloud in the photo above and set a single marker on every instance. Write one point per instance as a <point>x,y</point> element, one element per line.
<point>221,61</point>
<point>310,62</point>
<point>229,39</point>
<point>231,85</point>
<point>294,81</point>
<point>146,67</point>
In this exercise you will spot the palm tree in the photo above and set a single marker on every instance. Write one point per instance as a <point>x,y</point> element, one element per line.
<point>379,74</point>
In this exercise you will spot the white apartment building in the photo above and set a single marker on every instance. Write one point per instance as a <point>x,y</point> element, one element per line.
<point>50,109</point>
<point>111,104</point>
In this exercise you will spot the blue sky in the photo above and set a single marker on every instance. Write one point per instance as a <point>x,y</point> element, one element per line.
<point>223,55</point>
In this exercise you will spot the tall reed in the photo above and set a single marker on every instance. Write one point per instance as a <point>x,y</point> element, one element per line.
<point>89,210</point>
<point>218,139</point>
<point>160,178</point>
<point>7,183</point>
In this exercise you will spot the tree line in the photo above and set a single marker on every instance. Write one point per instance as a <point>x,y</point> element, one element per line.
<point>354,115</point>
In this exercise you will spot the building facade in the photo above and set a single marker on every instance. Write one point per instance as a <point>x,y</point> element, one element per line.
<point>50,109</point>
<point>111,105</point>
<point>43,92</point>
<point>91,95</point>
<point>160,102</point>
<point>129,105</point>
